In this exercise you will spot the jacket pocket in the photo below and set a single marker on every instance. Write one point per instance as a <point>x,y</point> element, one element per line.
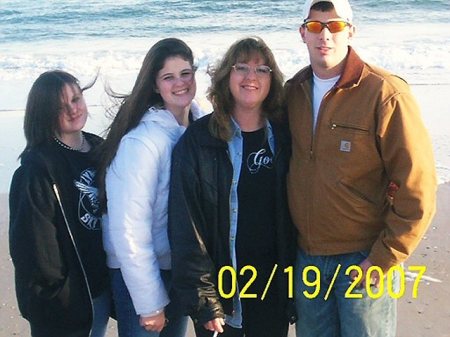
<point>349,127</point>
<point>357,196</point>
<point>69,308</point>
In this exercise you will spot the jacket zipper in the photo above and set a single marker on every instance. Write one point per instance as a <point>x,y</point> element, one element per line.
<point>319,114</point>
<point>58,197</point>
<point>350,127</point>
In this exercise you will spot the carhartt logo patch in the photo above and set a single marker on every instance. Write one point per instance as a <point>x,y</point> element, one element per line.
<point>346,146</point>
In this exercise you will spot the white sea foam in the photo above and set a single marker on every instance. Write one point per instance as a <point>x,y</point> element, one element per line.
<point>421,57</point>
<point>416,51</point>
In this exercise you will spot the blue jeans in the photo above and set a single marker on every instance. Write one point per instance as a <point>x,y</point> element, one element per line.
<point>128,320</point>
<point>339,315</point>
<point>102,308</point>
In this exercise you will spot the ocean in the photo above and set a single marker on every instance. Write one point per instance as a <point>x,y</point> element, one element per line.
<point>408,37</point>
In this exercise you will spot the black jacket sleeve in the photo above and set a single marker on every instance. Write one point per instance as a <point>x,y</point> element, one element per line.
<point>33,241</point>
<point>194,272</point>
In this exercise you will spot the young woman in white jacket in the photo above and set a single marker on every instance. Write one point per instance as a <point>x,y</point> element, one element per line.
<point>134,182</point>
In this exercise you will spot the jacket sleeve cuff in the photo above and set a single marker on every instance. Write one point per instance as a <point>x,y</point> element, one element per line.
<point>382,259</point>
<point>210,310</point>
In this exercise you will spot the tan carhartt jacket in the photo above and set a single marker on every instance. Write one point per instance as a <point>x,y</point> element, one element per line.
<point>369,133</point>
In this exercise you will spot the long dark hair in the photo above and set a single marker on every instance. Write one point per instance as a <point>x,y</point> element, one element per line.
<point>133,106</point>
<point>44,106</point>
<point>219,92</point>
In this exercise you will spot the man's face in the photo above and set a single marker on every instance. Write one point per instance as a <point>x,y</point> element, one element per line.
<point>327,50</point>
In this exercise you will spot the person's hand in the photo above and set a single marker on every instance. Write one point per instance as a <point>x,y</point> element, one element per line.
<point>215,325</point>
<point>153,323</point>
<point>374,274</point>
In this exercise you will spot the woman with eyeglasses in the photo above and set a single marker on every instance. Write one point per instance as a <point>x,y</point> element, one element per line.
<point>55,236</point>
<point>134,180</point>
<point>229,225</point>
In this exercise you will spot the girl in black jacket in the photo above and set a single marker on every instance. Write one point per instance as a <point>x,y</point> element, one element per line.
<point>55,231</point>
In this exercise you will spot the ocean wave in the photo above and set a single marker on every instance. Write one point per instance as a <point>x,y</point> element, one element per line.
<point>404,55</point>
<point>46,21</point>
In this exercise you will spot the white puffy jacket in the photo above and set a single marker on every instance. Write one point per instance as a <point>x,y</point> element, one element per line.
<point>137,187</point>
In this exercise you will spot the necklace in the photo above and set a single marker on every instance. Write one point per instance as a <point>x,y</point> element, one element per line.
<point>67,147</point>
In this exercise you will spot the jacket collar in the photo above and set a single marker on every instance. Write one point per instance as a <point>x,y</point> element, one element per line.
<point>236,129</point>
<point>165,118</point>
<point>279,132</point>
<point>353,69</point>
<point>351,75</point>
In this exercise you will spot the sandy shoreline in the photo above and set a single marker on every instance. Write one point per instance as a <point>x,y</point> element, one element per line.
<point>428,315</point>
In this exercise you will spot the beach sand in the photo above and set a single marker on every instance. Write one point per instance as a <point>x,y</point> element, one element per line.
<point>428,315</point>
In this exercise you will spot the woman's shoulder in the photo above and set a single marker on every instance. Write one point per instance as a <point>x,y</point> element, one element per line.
<point>200,125</point>
<point>199,134</point>
<point>38,156</point>
<point>148,136</point>
<point>148,131</point>
<point>35,163</point>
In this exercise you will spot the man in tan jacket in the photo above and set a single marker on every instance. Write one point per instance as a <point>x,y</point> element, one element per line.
<point>356,130</point>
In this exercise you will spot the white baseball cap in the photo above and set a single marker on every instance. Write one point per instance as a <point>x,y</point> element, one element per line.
<point>342,8</point>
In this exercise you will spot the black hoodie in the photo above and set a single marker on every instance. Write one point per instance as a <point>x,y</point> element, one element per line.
<point>56,245</point>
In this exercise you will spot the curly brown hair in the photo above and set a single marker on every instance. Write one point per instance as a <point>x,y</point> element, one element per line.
<point>219,92</point>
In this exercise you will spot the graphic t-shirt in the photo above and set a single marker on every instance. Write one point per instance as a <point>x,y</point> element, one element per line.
<point>255,239</point>
<point>86,219</point>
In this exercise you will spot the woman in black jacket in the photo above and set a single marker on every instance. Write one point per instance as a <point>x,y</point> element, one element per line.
<point>55,235</point>
<point>229,225</point>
